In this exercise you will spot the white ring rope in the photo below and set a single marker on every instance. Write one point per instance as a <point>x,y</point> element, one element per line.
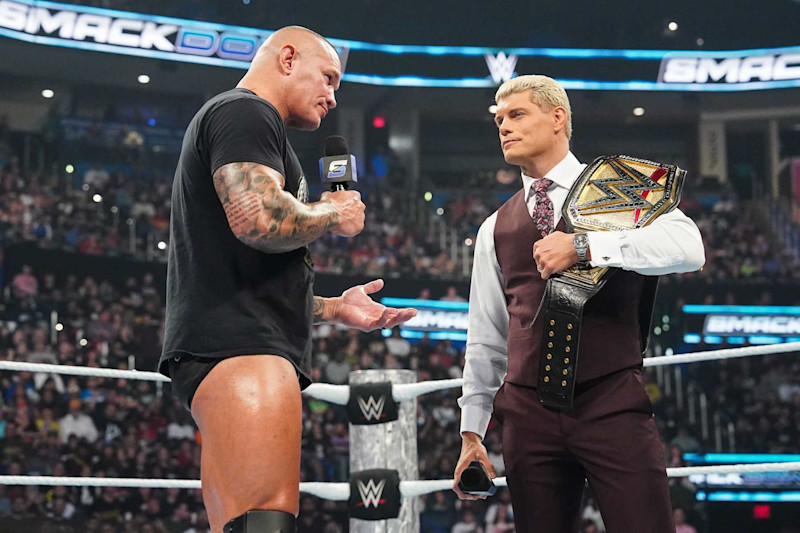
<point>408,391</point>
<point>728,353</point>
<point>340,394</point>
<point>338,491</point>
<point>83,371</point>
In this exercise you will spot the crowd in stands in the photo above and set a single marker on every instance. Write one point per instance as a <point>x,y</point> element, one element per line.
<point>740,243</point>
<point>117,214</point>
<point>58,425</point>
<point>110,213</point>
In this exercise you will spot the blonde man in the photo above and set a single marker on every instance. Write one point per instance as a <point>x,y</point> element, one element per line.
<point>608,436</point>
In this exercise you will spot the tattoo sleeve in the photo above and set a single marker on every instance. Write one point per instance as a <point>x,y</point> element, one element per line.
<point>263,215</point>
<point>319,309</point>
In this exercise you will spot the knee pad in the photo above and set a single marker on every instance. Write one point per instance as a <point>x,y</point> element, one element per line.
<point>261,521</point>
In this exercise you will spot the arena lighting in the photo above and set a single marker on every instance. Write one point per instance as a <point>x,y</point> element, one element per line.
<point>638,111</point>
<point>97,198</point>
<point>114,209</point>
<point>59,327</point>
<point>48,93</point>
<point>143,78</point>
<point>207,43</point>
<point>378,122</point>
<point>428,196</point>
<point>672,26</point>
<point>736,458</point>
<point>700,41</point>
<point>69,169</point>
<point>468,241</point>
<point>440,211</point>
<point>762,512</point>
<point>162,245</point>
<point>492,109</point>
<point>83,342</point>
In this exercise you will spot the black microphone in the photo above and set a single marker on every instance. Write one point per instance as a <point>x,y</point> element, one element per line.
<point>475,480</point>
<point>338,167</point>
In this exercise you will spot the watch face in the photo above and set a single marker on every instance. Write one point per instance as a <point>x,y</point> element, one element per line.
<point>581,240</point>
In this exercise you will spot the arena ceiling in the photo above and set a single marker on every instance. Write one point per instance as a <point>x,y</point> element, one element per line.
<point>721,24</point>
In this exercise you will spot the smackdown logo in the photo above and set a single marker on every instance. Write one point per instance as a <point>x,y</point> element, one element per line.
<point>128,33</point>
<point>703,69</point>
<point>337,168</point>
<point>731,325</point>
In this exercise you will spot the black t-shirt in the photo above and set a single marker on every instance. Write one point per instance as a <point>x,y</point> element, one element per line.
<point>223,297</point>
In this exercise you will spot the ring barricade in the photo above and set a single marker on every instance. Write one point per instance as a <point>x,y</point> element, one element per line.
<point>373,401</point>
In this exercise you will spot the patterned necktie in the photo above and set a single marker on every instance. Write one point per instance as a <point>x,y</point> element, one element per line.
<point>543,208</point>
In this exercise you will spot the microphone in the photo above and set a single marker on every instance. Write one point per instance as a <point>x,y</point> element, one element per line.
<point>475,480</point>
<point>338,166</point>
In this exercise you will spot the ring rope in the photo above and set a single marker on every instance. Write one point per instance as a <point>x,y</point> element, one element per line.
<point>340,394</point>
<point>338,491</point>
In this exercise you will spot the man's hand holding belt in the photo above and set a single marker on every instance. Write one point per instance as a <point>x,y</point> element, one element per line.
<point>557,252</point>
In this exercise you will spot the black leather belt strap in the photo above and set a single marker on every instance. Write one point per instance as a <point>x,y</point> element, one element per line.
<point>558,359</point>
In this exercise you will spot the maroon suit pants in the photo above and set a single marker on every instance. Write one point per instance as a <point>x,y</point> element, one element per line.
<point>608,438</point>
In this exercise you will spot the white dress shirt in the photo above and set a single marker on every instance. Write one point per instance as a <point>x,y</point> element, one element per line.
<point>670,244</point>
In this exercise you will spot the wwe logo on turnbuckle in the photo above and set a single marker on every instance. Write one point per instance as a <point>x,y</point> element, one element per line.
<point>372,409</point>
<point>501,66</point>
<point>371,493</point>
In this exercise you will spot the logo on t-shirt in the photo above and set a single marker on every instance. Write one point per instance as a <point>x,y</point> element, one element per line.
<point>302,190</point>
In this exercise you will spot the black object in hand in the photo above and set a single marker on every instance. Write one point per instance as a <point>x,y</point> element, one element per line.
<point>475,480</point>
<point>338,167</point>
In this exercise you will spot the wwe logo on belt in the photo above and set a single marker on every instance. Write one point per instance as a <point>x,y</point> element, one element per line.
<point>372,409</point>
<point>501,66</point>
<point>371,493</point>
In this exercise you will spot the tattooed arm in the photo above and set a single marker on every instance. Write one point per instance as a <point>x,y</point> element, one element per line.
<point>326,309</point>
<point>356,309</point>
<point>264,216</point>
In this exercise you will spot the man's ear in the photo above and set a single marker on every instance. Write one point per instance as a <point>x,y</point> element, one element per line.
<point>286,59</point>
<point>559,119</point>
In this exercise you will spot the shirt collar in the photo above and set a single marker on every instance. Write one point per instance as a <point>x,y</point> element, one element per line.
<point>563,174</point>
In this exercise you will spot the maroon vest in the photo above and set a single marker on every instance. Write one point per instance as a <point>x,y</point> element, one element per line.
<point>610,338</point>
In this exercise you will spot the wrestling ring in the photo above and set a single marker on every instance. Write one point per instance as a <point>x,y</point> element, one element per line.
<point>381,405</point>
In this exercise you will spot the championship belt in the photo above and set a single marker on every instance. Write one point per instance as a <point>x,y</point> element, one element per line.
<point>613,193</point>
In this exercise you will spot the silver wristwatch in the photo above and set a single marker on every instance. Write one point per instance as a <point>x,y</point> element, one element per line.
<point>581,243</point>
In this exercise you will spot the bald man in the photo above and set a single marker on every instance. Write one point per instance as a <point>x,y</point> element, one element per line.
<point>240,305</point>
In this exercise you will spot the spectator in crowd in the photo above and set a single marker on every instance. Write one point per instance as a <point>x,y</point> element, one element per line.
<point>680,522</point>
<point>77,423</point>
<point>96,177</point>
<point>467,524</point>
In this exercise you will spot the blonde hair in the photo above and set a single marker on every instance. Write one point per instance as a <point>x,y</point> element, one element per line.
<point>546,93</point>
